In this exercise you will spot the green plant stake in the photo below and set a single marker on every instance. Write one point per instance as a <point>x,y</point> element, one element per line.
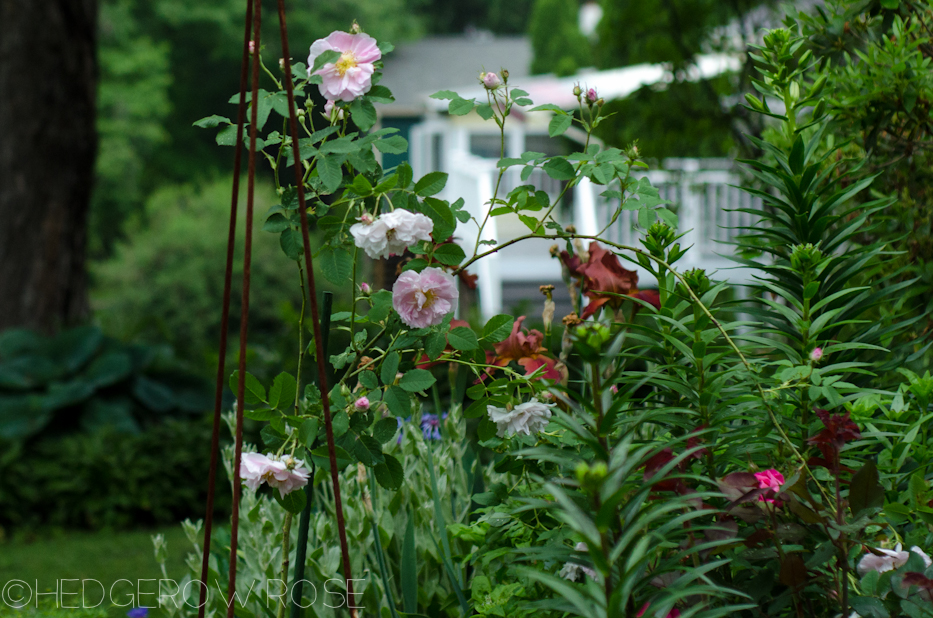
<point>303,524</point>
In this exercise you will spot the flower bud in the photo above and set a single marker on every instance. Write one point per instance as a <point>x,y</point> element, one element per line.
<point>505,76</point>
<point>366,219</point>
<point>816,354</point>
<point>491,80</point>
<point>355,28</point>
<point>600,102</point>
<point>591,96</point>
<point>252,47</point>
<point>361,404</point>
<point>577,91</point>
<point>282,64</point>
<point>365,289</point>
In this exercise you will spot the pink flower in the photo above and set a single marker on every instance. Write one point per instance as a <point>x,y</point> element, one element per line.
<point>889,559</point>
<point>252,47</point>
<point>330,114</point>
<point>491,80</point>
<point>365,288</point>
<point>392,233</point>
<point>351,76</point>
<point>816,354</point>
<point>285,475</point>
<point>674,613</point>
<point>769,479</point>
<point>591,95</point>
<point>361,404</point>
<point>423,299</point>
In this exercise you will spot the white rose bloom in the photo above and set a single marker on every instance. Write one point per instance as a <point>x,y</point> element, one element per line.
<point>889,560</point>
<point>572,571</point>
<point>526,418</point>
<point>391,233</point>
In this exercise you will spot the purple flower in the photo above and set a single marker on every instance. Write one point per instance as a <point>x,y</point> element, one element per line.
<point>140,612</point>
<point>431,426</point>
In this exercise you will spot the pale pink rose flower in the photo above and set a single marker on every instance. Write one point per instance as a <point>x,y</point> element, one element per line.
<point>889,559</point>
<point>423,299</point>
<point>351,76</point>
<point>769,479</point>
<point>329,111</point>
<point>256,468</point>
<point>491,80</point>
<point>525,418</point>
<point>296,477</point>
<point>816,354</point>
<point>406,228</point>
<point>391,233</point>
<point>361,404</point>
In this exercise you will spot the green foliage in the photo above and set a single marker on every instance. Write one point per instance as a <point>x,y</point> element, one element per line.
<point>875,60</point>
<point>166,284</point>
<point>677,120</point>
<point>559,46</point>
<point>683,118</point>
<point>81,380</point>
<point>107,478</point>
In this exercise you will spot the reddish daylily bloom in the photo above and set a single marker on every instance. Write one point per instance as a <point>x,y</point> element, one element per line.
<point>525,348</point>
<point>605,281</point>
<point>837,430</point>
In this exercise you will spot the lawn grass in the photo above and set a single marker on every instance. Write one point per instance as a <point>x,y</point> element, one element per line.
<point>102,556</point>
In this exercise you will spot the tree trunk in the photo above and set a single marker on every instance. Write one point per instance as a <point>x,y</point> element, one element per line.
<point>48,141</point>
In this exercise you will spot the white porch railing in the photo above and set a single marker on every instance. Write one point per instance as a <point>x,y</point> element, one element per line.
<point>701,191</point>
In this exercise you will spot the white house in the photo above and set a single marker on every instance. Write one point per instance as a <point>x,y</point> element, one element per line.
<point>466,147</point>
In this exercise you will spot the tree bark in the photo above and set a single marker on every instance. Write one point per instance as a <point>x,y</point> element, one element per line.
<point>48,142</point>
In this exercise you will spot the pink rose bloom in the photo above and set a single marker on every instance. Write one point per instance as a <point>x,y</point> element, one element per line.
<point>889,559</point>
<point>816,354</point>
<point>329,112</point>
<point>361,404</point>
<point>256,468</point>
<point>769,479</point>
<point>491,80</point>
<point>423,299</point>
<point>351,76</point>
<point>392,233</point>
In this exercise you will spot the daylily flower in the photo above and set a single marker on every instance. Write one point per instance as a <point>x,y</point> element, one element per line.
<point>525,348</point>
<point>881,560</point>
<point>605,281</point>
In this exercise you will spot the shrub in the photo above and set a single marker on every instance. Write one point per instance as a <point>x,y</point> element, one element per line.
<point>108,478</point>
